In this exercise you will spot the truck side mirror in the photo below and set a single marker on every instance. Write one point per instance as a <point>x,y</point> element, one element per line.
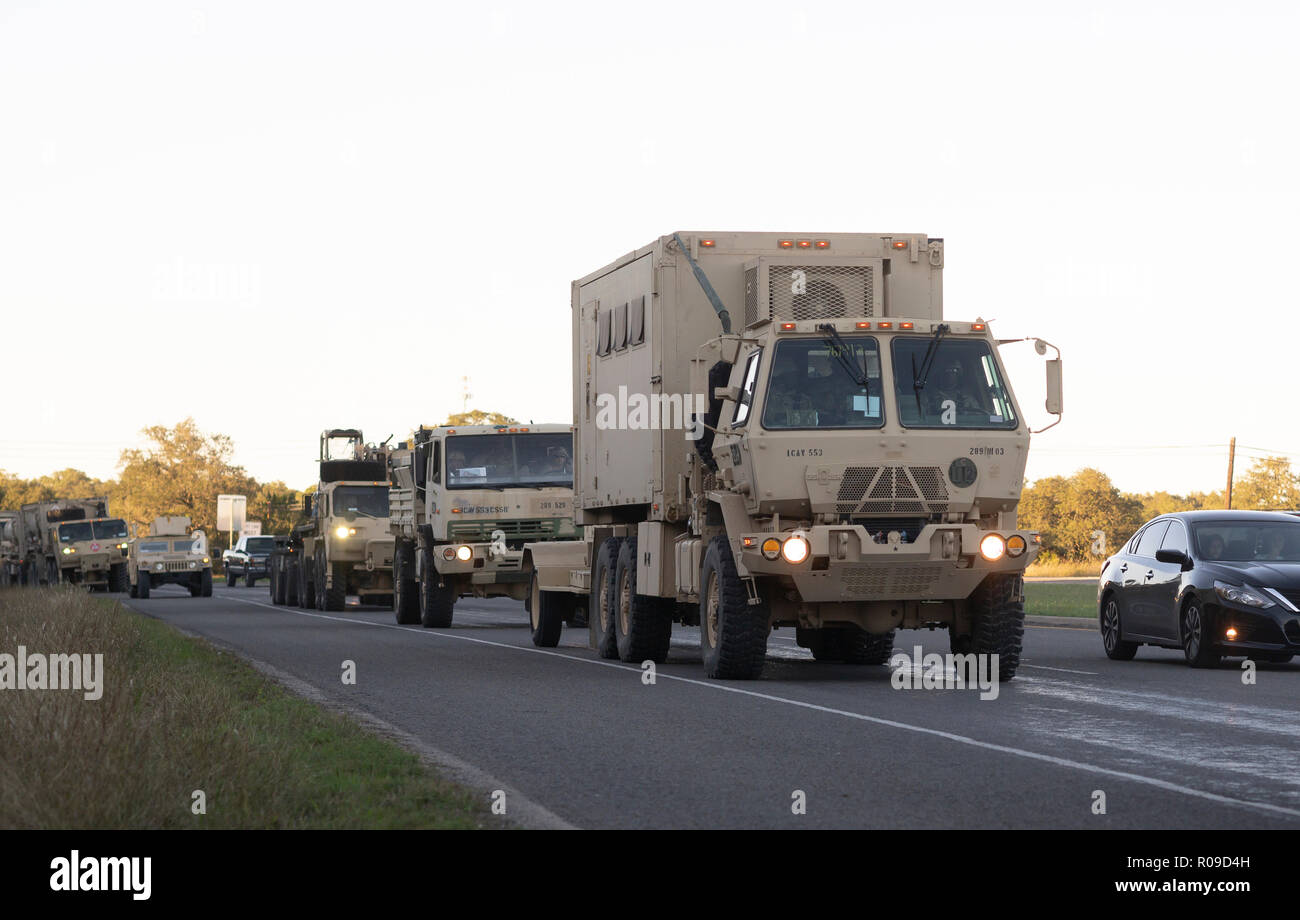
<point>306,505</point>
<point>731,393</point>
<point>1055,391</point>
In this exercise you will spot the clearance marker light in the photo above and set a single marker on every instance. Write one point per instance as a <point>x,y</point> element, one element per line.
<point>900,244</point>
<point>707,244</point>
<point>907,325</point>
<point>977,327</point>
<point>787,326</point>
<point>822,244</point>
<point>805,244</point>
<point>884,325</point>
<point>863,325</point>
<point>785,244</point>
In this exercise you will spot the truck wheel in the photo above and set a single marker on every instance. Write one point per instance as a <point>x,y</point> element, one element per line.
<point>547,610</point>
<point>733,632</point>
<point>998,621</point>
<point>600,616</point>
<point>144,585</point>
<point>436,602</point>
<point>643,624</point>
<point>205,583</point>
<point>118,580</point>
<point>306,585</point>
<point>406,592</point>
<point>289,573</point>
<point>133,591</point>
<point>861,647</point>
<point>250,581</point>
<point>330,597</point>
<point>825,644</point>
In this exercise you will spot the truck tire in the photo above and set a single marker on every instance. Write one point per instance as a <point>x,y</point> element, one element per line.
<point>600,615</point>
<point>205,583</point>
<point>330,597</point>
<point>998,621</point>
<point>643,624</point>
<point>277,583</point>
<point>306,584</point>
<point>118,580</point>
<point>406,591</point>
<point>733,632</point>
<point>133,591</point>
<point>436,602</point>
<point>249,580</point>
<point>290,569</point>
<point>546,611</point>
<point>143,588</point>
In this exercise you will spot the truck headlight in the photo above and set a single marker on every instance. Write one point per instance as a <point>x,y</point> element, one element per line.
<point>344,532</point>
<point>464,553</point>
<point>68,550</point>
<point>993,547</point>
<point>1240,594</point>
<point>158,566</point>
<point>795,549</point>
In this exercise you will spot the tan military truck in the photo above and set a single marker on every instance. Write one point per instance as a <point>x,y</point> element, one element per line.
<point>850,462</point>
<point>171,554</point>
<point>74,541</point>
<point>342,546</point>
<point>463,501</point>
<point>11,559</point>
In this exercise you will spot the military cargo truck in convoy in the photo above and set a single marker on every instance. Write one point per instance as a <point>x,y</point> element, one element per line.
<point>463,501</point>
<point>850,464</point>
<point>74,542</point>
<point>11,560</point>
<point>342,545</point>
<point>171,554</point>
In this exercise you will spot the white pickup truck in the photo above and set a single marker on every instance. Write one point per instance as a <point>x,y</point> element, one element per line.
<point>248,557</point>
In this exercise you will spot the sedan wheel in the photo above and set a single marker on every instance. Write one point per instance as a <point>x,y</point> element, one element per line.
<point>1198,647</point>
<point>1116,648</point>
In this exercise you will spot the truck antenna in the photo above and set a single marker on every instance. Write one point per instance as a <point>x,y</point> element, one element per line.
<point>709,292</point>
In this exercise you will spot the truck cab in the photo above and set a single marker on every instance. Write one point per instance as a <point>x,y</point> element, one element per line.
<point>93,553</point>
<point>464,501</point>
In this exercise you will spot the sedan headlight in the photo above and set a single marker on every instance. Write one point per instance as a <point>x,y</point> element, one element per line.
<point>1240,594</point>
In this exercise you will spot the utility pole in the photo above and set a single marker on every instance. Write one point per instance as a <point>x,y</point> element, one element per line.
<point>1232,455</point>
<point>465,394</point>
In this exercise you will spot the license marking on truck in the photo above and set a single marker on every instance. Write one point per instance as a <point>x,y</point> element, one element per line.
<point>803,452</point>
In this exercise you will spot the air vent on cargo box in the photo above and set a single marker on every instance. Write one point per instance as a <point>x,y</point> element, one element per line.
<point>806,292</point>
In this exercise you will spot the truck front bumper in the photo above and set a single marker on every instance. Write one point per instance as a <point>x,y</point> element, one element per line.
<point>844,564</point>
<point>485,567</point>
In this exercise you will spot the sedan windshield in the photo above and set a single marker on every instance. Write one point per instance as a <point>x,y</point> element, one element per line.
<point>962,388</point>
<point>367,501</point>
<point>503,461</point>
<point>1232,541</point>
<point>817,383</point>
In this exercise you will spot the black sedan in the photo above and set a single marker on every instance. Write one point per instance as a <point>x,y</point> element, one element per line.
<point>1212,583</point>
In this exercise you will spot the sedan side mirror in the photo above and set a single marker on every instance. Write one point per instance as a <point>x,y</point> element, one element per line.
<point>1174,556</point>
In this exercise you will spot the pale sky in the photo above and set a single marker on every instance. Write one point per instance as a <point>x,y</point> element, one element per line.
<point>280,217</point>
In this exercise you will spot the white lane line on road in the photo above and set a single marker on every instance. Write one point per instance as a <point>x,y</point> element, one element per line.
<point>816,707</point>
<point>1043,667</point>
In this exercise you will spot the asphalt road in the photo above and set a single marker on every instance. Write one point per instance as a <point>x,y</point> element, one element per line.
<point>592,743</point>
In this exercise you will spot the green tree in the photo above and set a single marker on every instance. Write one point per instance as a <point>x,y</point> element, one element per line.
<point>1270,485</point>
<point>479,417</point>
<point>1081,516</point>
<point>182,471</point>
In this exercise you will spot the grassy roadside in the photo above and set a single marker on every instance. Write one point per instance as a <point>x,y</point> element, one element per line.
<point>1059,569</point>
<point>1061,600</point>
<point>178,715</point>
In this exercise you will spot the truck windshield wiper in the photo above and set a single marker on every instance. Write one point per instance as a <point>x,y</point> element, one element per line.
<point>931,353</point>
<point>840,349</point>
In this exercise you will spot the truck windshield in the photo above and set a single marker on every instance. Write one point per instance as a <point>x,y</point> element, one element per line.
<point>74,533</point>
<point>963,388</point>
<point>184,545</point>
<point>265,544</point>
<point>502,461</point>
<point>367,501</point>
<point>153,546</point>
<point>114,529</point>
<point>809,386</point>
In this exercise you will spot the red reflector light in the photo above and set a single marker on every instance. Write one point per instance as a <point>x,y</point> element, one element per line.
<point>805,244</point>
<point>706,243</point>
<point>787,326</point>
<point>900,244</point>
<point>786,244</point>
<point>822,244</point>
<point>907,325</point>
<point>863,325</point>
<point>976,327</point>
<point>884,325</point>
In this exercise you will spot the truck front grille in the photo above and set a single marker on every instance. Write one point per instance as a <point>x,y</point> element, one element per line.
<point>481,531</point>
<point>890,582</point>
<point>892,490</point>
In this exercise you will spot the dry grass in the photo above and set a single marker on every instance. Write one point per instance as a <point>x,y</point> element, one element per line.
<point>178,715</point>
<point>1057,568</point>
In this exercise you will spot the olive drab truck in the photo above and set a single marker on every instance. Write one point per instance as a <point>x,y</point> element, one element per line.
<point>850,462</point>
<point>71,541</point>
<point>342,546</point>
<point>463,502</point>
<point>171,554</point>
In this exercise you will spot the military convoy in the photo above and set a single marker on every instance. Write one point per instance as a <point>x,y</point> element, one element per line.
<point>342,546</point>
<point>171,554</point>
<point>463,501</point>
<point>11,559</point>
<point>846,462</point>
